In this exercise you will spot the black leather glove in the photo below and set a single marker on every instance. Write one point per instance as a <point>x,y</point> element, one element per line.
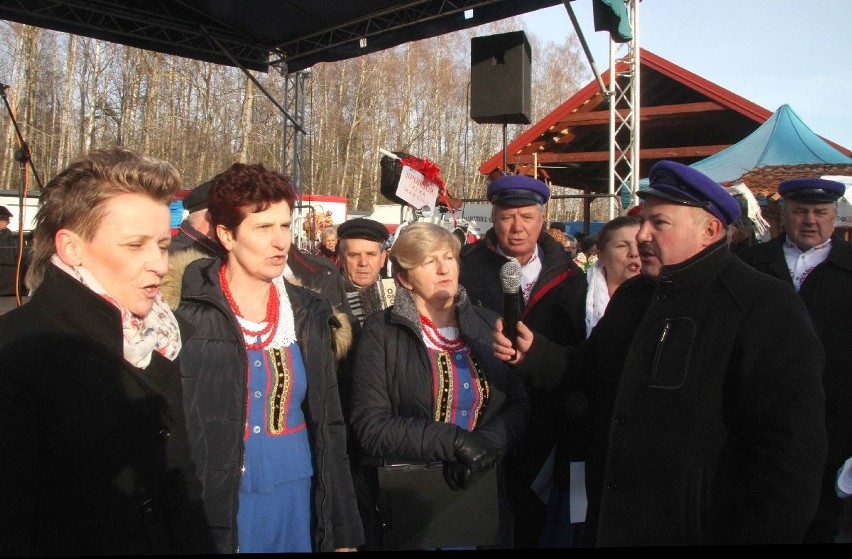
<point>456,474</point>
<point>474,451</point>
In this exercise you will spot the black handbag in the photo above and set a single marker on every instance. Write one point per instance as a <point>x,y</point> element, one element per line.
<point>418,509</point>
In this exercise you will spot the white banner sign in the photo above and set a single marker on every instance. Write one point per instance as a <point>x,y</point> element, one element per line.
<point>478,216</point>
<point>416,190</point>
<point>844,205</point>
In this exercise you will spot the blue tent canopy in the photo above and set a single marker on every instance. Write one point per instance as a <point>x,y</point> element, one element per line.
<point>782,140</point>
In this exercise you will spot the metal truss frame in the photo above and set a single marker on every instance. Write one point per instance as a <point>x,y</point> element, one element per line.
<point>624,108</point>
<point>394,18</point>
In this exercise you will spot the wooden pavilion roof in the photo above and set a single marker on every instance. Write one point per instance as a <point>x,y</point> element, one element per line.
<point>683,117</point>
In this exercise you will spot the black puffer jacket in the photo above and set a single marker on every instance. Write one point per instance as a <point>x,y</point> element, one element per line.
<point>214,370</point>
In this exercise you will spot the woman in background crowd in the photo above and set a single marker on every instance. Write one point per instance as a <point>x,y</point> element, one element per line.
<point>426,386</point>
<point>328,243</point>
<point>618,260</point>
<point>265,422</point>
<point>95,457</point>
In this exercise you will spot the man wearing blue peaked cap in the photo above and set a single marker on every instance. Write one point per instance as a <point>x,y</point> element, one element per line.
<point>553,289</point>
<point>705,378</point>
<point>812,190</point>
<point>682,184</point>
<point>818,264</point>
<point>517,190</point>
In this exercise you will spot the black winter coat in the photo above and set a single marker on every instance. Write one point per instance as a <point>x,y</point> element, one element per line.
<point>214,377</point>
<point>709,408</point>
<point>188,237</point>
<point>392,403</point>
<point>557,309</point>
<point>827,294</point>
<point>95,457</point>
<point>319,274</point>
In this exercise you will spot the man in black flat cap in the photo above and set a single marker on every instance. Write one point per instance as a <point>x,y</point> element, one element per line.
<point>195,231</point>
<point>362,255</point>
<point>705,381</point>
<point>818,264</point>
<point>554,294</point>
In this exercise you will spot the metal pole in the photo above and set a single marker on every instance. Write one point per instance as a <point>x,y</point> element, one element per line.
<point>505,149</point>
<point>637,104</point>
<point>585,46</point>
<point>286,129</point>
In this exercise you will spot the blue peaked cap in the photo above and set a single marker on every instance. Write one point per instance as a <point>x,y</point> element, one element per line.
<point>517,191</point>
<point>682,184</point>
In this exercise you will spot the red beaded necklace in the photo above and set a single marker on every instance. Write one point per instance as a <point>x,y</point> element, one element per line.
<point>273,308</point>
<point>437,338</point>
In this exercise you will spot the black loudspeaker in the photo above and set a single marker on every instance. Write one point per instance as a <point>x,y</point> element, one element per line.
<point>500,78</point>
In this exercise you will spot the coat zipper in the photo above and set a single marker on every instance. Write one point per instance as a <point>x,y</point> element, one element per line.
<point>666,328</point>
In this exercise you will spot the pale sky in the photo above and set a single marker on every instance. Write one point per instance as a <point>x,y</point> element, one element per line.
<point>771,52</point>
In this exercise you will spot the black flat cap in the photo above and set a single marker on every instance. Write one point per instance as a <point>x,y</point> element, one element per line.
<point>4,212</point>
<point>363,228</point>
<point>197,198</point>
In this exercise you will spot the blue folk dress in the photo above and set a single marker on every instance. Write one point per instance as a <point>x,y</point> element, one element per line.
<point>274,509</point>
<point>459,388</point>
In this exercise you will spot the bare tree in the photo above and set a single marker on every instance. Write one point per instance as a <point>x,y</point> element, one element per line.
<point>76,93</point>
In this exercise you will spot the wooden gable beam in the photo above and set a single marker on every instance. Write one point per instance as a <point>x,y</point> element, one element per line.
<point>587,156</point>
<point>647,113</point>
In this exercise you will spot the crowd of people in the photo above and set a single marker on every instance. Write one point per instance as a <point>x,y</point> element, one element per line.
<point>664,382</point>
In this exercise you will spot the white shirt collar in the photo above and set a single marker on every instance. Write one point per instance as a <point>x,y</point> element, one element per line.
<point>800,263</point>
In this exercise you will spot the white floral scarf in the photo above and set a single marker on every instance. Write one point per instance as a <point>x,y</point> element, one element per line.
<point>158,331</point>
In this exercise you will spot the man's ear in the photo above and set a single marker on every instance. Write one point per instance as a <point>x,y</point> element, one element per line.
<point>69,247</point>
<point>713,230</point>
<point>384,258</point>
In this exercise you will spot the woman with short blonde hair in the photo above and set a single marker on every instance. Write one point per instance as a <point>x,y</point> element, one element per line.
<point>426,386</point>
<point>96,458</point>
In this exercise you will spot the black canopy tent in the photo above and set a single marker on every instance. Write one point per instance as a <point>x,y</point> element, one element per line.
<point>257,34</point>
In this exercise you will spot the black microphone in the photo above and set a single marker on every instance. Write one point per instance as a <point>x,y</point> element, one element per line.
<point>510,281</point>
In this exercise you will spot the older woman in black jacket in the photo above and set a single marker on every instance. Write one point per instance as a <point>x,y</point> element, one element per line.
<point>426,385</point>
